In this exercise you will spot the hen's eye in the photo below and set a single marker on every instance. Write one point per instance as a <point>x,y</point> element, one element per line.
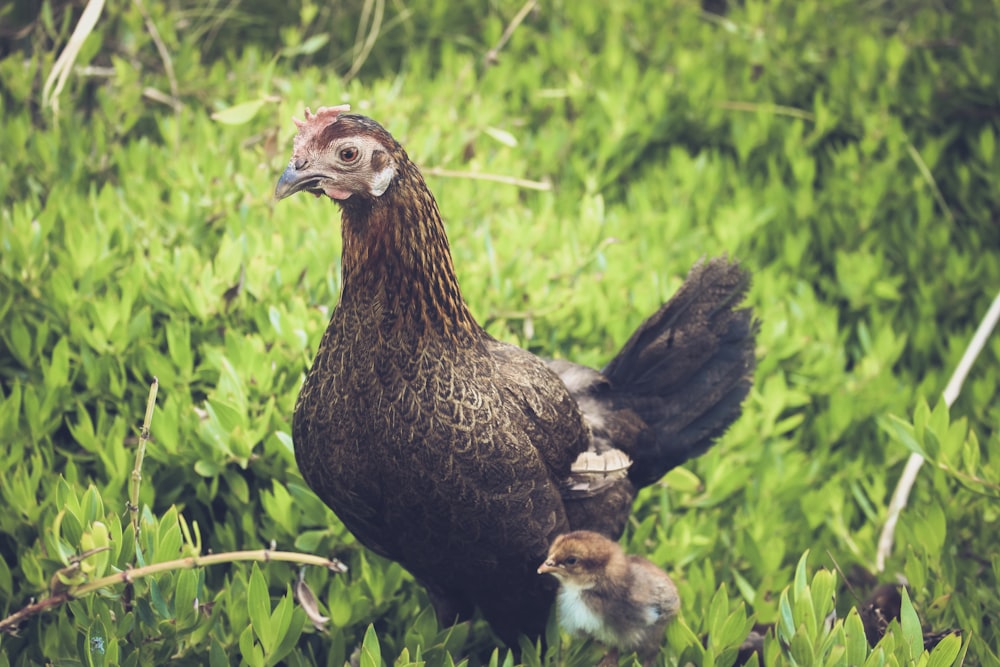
<point>349,154</point>
<point>572,560</point>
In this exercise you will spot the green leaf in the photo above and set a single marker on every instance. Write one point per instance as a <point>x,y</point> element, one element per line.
<point>503,136</point>
<point>802,648</point>
<point>6,581</point>
<point>309,540</point>
<point>371,652</point>
<point>877,658</point>
<point>259,609</point>
<point>824,586</point>
<point>98,644</point>
<point>801,577</point>
<point>805,614</point>
<point>736,628</point>
<point>987,144</point>
<point>680,636</point>
<point>287,622</point>
<point>168,537</point>
<point>718,611</point>
<point>185,593</point>
<point>57,369</point>
<point>156,598</point>
<point>913,634</point>
<point>903,433</point>
<point>250,650</point>
<point>786,620</point>
<point>20,343</point>
<point>945,653</point>
<point>239,114</point>
<point>683,480</point>
<point>217,656</point>
<point>745,588</point>
<point>306,47</point>
<point>97,542</point>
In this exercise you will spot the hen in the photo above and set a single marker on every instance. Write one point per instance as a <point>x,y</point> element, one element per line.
<point>463,457</point>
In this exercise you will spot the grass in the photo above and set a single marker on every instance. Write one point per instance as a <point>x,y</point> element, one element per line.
<point>845,152</point>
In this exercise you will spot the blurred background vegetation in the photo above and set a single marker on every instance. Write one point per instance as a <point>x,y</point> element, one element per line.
<point>845,151</point>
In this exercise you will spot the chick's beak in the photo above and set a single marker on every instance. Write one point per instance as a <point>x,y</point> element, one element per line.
<point>547,566</point>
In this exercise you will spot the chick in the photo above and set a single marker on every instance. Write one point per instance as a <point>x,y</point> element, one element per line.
<point>623,601</point>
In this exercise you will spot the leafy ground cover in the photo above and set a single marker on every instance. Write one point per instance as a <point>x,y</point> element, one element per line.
<point>846,152</point>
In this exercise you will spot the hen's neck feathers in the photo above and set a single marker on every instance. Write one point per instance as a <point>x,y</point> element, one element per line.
<point>396,250</point>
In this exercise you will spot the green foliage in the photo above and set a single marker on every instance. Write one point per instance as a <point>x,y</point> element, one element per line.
<point>846,152</point>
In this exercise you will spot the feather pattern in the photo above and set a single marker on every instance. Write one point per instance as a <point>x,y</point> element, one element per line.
<point>458,455</point>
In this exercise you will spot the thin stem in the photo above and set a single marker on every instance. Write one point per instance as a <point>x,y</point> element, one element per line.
<point>140,454</point>
<point>64,64</point>
<point>12,622</point>
<point>161,48</point>
<point>909,477</point>
<point>493,55</point>
<point>925,172</point>
<point>496,178</point>
<point>776,109</point>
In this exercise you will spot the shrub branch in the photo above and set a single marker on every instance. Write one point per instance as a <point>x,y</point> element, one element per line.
<point>133,505</point>
<point>492,56</point>
<point>12,623</point>
<point>909,477</point>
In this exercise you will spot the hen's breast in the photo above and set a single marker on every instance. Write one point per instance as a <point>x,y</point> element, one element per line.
<point>427,450</point>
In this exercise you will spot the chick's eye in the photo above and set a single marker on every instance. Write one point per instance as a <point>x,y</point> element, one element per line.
<point>349,154</point>
<point>572,560</point>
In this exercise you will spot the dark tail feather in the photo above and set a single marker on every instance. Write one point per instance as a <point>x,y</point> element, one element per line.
<point>687,369</point>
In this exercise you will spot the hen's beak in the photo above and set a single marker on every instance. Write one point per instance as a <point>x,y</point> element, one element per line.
<point>547,566</point>
<point>294,180</point>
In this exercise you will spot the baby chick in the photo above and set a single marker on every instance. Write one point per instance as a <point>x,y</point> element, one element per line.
<point>623,601</point>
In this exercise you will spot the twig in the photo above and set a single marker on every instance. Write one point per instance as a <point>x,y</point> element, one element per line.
<point>152,93</point>
<point>11,623</point>
<point>776,109</point>
<point>902,493</point>
<point>492,56</point>
<point>363,49</point>
<point>497,178</point>
<point>64,63</point>
<point>161,48</point>
<point>133,505</point>
<point>929,177</point>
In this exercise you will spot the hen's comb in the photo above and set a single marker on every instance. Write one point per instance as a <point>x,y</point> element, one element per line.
<point>316,122</point>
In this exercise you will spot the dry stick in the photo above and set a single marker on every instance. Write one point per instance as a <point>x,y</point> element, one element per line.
<point>776,109</point>
<point>11,623</point>
<point>64,64</point>
<point>363,49</point>
<point>140,454</point>
<point>496,178</point>
<point>492,56</point>
<point>168,65</point>
<point>902,493</point>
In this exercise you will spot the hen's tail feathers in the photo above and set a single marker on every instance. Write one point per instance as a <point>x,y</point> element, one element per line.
<point>687,369</point>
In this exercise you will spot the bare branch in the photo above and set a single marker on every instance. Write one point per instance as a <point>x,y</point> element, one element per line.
<point>161,48</point>
<point>140,454</point>
<point>492,56</point>
<point>64,64</point>
<point>12,622</point>
<point>906,481</point>
<point>496,178</point>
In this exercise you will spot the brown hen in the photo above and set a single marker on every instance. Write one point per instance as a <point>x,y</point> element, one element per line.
<point>463,457</point>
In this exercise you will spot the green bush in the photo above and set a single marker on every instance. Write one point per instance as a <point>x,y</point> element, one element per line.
<point>846,152</point>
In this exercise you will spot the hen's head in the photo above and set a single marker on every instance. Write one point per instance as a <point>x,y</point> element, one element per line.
<point>341,156</point>
<point>581,558</point>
